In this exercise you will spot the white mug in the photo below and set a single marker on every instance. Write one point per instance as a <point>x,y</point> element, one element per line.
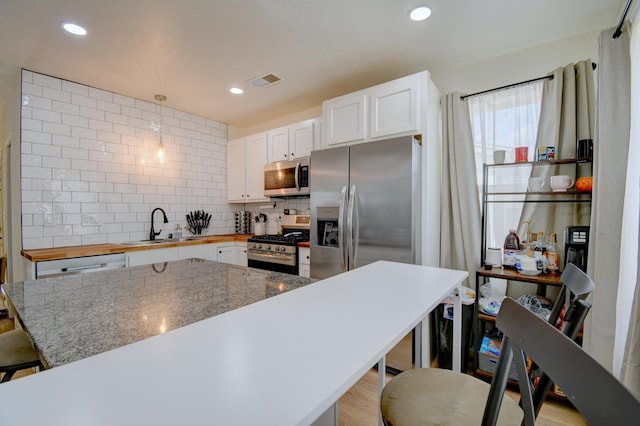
<point>499,156</point>
<point>536,184</point>
<point>494,257</point>
<point>561,183</point>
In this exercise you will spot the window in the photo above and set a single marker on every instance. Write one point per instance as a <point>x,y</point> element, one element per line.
<point>504,120</point>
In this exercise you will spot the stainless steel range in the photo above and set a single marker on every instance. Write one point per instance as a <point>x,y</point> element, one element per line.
<point>279,252</point>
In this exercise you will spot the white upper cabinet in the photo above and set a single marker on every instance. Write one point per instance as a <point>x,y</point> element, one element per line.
<point>301,138</point>
<point>236,171</point>
<point>291,142</point>
<point>278,142</point>
<point>345,118</point>
<point>395,108</point>
<point>245,169</point>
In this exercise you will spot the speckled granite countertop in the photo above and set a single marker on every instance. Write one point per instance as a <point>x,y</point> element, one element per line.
<point>77,316</point>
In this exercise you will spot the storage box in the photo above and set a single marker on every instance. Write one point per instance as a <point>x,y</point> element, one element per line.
<point>488,355</point>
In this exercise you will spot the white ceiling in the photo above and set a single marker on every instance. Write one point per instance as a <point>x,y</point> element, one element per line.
<point>193,51</point>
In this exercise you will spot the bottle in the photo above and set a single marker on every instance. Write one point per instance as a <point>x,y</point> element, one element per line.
<point>177,234</point>
<point>553,256</point>
<point>540,245</point>
<point>512,241</point>
<point>511,249</point>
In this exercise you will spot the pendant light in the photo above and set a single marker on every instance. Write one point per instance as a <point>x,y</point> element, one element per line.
<point>160,152</point>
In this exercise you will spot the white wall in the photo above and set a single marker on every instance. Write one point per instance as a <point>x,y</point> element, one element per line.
<point>90,173</point>
<point>517,66</point>
<point>11,177</point>
<point>235,132</point>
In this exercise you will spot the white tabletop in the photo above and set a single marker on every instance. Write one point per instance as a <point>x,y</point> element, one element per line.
<point>281,361</point>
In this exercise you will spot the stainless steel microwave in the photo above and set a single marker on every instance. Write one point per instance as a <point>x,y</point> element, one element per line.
<point>287,178</point>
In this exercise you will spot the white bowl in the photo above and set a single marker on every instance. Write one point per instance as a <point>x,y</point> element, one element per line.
<point>531,272</point>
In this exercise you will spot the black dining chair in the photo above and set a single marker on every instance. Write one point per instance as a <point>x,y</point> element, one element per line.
<point>417,394</point>
<point>596,393</point>
<point>17,353</point>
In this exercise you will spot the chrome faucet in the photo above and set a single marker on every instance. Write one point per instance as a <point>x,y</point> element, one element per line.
<point>153,234</point>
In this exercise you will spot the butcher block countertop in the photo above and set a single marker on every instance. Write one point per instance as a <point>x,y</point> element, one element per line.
<point>305,244</point>
<point>57,253</point>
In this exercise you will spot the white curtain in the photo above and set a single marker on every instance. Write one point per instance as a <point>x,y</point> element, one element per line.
<point>504,120</point>
<point>567,115</point>
<point>460,211</point>
<point>611,149</point>
<point>629,287</point>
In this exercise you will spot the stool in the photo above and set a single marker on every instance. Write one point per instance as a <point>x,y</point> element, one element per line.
<point>16,353</point>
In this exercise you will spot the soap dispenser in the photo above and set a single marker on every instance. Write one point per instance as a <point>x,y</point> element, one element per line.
<point>177,234</point>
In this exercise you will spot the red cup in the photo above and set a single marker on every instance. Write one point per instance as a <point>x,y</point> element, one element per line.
<point>522,154</point>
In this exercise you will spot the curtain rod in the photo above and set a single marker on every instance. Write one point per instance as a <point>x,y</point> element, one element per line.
<point>507,86</point>
<point>618,30</point>
<point>550,77</point>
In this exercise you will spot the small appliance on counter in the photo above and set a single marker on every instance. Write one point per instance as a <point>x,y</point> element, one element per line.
<point>243,222</point>
<point>576,246</point>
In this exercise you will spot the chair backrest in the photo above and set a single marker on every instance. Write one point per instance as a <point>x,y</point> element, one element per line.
<point>595,392</point>
<point>576,285</point>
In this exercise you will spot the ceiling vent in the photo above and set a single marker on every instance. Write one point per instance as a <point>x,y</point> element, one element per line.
<point>265,80</point>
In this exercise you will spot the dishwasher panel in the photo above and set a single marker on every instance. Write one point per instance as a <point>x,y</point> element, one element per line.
<point>78,265</point>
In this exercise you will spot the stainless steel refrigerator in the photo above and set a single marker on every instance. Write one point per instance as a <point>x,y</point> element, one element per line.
<point>365,206</point>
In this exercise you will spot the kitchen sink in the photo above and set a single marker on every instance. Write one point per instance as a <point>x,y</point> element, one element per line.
<point>144,242</point>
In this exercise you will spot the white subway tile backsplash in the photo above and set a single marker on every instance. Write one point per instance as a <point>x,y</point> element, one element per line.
<point>75,88</point>
<point>40,103</point>
<point>56,129</point>
<point>67,141</point>
<point>30,124</point>
<point>75,120</point>
<point>90,173</point>
<point>36,137</point>
<point>46,115</point>
<point>75,154</point>
<point>65,108</point>
<point>56,95</point>
<point>75,186</point>
<point>80,132</point>
<point>83,101</point>
<point>56,162</point>
<point>46,81</point>
<point>36,172</point>
<point>84,197</point>
<point>84,165</point>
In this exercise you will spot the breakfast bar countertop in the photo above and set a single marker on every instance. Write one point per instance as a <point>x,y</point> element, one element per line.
<point>123,306</point>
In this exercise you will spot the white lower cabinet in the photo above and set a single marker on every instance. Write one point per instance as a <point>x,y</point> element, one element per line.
<point>235,254</point>
<point>199,251</point>
<point>146,257</point>
<point>304,262</point>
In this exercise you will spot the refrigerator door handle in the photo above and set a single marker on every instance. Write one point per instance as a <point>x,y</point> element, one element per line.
<point>341,246</point>
<point>351,229</point>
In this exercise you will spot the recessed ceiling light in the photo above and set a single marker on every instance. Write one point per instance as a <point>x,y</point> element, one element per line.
<point>420,13</point>
<point>236,91</point>
<point>74,29</point>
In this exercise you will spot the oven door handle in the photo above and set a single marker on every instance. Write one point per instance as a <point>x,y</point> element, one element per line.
<point>273,258</point>
<point>341,235</point>
<point>297,176</point>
